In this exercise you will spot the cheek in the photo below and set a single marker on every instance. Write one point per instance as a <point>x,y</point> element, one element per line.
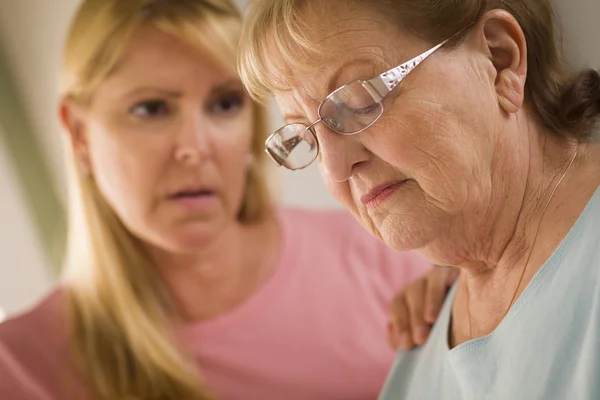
<point>125,168</point>
<point>232,148</point>
<point>429,144</point>
<point>436,129</point>
<point>232,139</point>
<point>342,192</point>
<point>232,157</point>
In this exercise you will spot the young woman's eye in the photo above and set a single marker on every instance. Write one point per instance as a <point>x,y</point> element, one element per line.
<point>150,109</point>
<point>228,104</point>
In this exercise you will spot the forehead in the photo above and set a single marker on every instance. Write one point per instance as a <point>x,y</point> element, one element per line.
<point>352,43</point>
<point>154,57</point>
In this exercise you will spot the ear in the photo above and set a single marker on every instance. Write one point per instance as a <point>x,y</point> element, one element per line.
<point>72,118</point>
<point>507,50</point>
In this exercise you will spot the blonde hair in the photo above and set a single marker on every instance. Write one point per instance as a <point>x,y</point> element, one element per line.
<point>274,43</point>
<point>567,103</point>
<point>122,333</point>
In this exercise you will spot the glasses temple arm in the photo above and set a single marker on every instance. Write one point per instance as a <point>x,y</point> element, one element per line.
<point>382,85</point>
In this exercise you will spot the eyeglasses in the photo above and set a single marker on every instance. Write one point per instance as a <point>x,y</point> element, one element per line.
<point>348,110</point>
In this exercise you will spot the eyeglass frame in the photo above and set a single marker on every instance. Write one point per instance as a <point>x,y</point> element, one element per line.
<point>378,87</point>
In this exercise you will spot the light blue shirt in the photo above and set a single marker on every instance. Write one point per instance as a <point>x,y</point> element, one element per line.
<point>547,347</point>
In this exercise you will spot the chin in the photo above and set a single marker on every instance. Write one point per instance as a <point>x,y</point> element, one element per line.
<point>403,225</point>
<point>403,235</point>
<point>184,246</point>
<point>186,237</point>
<point>192,239</point>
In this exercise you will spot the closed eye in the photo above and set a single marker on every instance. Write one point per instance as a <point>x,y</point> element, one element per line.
<point>365,110</point>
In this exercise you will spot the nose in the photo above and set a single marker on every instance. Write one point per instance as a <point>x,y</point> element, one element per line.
<point>339,154</point>
<point>193,143</point>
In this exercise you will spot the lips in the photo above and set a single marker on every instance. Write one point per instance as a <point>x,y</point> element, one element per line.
<point>191,193</point>
<point>380,192</point>
<point>194,199</point>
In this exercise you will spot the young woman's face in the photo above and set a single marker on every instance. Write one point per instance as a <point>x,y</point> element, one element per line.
<point>167,139</point>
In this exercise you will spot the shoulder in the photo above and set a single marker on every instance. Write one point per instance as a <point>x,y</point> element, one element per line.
<point>334,225</point>
<point>589,222</point>
<point>333,218</point>
<point>581,246</point>
<point>337,234</point>
<point>412,370</point>
<point>29,340</point>
<point>44,315</point>
<point>329,230</point>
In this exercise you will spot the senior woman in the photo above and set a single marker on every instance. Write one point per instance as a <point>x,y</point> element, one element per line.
<point>478,151</point>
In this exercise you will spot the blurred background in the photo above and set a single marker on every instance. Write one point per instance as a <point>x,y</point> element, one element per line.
<point>32,186</point>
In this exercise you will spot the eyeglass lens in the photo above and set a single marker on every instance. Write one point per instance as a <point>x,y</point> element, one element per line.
<point>347,111</point>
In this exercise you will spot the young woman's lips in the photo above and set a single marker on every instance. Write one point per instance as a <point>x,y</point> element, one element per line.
<point>194,199</point>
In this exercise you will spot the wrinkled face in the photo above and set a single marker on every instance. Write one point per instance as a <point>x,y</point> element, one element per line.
<point>426,164</point>
<point>167,138</point>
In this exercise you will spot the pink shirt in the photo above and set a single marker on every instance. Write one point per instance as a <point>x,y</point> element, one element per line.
<point>316,330</point>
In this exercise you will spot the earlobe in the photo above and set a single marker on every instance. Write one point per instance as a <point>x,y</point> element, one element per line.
<point>507,49</point>
<point>511,91</point>
<point>72,121</point>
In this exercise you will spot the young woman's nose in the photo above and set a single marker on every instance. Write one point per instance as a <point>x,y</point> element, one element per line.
<point>193,141</point>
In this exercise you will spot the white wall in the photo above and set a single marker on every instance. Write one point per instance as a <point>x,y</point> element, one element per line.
<point>31,33</point>
<point>580,23</point>
<point>23,272</point>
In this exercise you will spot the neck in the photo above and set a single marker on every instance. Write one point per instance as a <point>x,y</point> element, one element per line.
<point>222,275</point>
<point>508,252</point>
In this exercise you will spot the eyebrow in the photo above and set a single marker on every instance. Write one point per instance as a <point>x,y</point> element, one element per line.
<point>227,85</point>
<point>143,89</point>
<point>333,84</point>
<point>220,88</point>
<point>294,119</point>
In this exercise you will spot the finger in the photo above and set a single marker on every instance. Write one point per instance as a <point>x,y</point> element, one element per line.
<point>436,292</point>
<point>405,341</point>
<point>415,302</point>
<point>391,338</point>
<point>399,326</point>
<point>398,340</point>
